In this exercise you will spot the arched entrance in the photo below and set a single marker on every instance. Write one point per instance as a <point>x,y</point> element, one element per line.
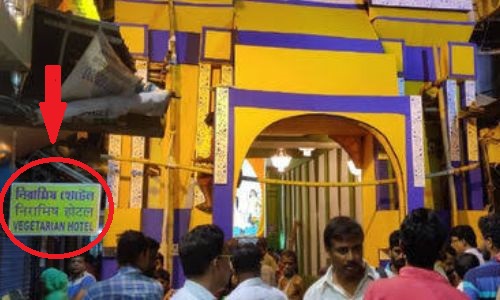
<point>249,113</point>
<point>293,215</point>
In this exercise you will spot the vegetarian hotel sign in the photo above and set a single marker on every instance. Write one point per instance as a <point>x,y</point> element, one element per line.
<point>54,209</point>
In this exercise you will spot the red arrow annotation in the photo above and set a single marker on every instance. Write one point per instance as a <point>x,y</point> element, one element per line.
<point>52,108</point>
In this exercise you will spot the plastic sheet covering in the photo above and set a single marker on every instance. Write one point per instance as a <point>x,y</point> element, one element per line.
<point>151,104</point>
<point>99,72</point>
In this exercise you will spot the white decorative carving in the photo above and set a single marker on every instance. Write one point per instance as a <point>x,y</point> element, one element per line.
<point>470,92</point>
<point>429,4</point>
<point>452,117</point>
<point>113,178</point>
<point>203,131</point>
<point>137,172</point>
<point>417,141</point>
<point>221,135</point>
<point>471,124</point>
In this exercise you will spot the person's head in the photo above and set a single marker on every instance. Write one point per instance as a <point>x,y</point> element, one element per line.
<point>159,261</point>
<point>288,260</point>
<point>246,260</point>
<point>163,277</point>
<point>262,245</point>
<point>78,265</point>
<point>395,252</point>
<point>152,249</point>
<point>447,258</point>
<point>202,255</point>
<point>490,230</point>
<point>422,237</point>
<point>462,237</point>
<point>252,193</point>
<point>343,238</point>
<point>464,263</point>
<point>134,249</point>
<point>55,284</point>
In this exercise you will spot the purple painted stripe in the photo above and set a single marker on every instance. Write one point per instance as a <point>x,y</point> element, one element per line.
<point>289,101</point>
<point>178,277</point>
<point>419,64</point>
<point>182,217</point>
<point>475,179</point>
<point>411,20</point>
<point>109,267</point>
<point>180,3</point>
<point>145,1</point>
<point>187,46</point>
<point>223,193</point>
<point>152,221</point>
<point>307,41</point>
<point>445,217</point>
<point>313,4</point>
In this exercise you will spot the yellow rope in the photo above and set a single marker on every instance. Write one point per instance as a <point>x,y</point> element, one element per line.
<point>262,180</point>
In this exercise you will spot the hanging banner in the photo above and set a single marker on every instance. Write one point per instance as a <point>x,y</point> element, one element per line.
<point>54,209</point>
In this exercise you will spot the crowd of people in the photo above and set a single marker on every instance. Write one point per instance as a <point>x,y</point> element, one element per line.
<point>426,261</point>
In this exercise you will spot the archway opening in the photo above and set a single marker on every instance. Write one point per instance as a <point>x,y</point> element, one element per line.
<point>293,215</point>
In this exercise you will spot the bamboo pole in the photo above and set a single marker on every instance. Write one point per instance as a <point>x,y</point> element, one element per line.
<point>453,171</point>
<point>257,179</point>
<point>326,184</point>
<point>160,164</point>
<point>446,145</point>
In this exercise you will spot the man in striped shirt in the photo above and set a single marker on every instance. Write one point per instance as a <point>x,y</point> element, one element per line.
<point>482,283</point>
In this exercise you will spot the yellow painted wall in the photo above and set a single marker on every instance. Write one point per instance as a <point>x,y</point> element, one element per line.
<point>423,14</point>
<point>289,18</point>
<point>188,18</point>
<point>423,34</point>
<point>315,72</point>
<point>493,148</point>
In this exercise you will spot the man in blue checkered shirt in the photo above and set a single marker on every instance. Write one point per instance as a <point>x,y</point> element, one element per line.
<point>135,254</point>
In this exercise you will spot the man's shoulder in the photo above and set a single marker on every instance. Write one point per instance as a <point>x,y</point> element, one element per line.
<point>314,289</point>
<point>491,268</point>
<point>89,278</point>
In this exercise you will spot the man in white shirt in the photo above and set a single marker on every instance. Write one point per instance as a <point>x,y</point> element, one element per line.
<point>205,266</point>
<point>348,276</point>
<point>463,240</point>
<point>246,263</point>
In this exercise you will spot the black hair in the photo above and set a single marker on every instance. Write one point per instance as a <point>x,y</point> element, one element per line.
<point>422,237</point>
<point>131,244</point>
<point>394,239</point>
<point>246,258</point>
<point>162,274</point>
<point>341,228</point>
<point>289,253</point>
<point>490,228</point>
<point>464,232</point>
<point>199,247</point>
<point>262,243</point>
<point>153,246</point>
<point>464,263</point>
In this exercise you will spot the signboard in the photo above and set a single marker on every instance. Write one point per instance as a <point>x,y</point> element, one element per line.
<point>48,209</point>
